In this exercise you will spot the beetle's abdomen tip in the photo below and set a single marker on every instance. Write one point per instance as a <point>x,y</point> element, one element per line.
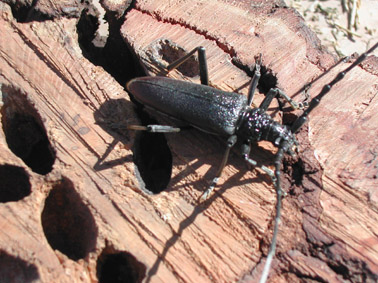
<point>131,83</point>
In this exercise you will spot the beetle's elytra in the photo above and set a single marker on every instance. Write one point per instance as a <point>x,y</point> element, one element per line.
<point>206,108</point>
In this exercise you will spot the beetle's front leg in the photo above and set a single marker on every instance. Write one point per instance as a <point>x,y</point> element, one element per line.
<point>295,105</point>
<point>273,92</point>
<point>230,143</point>
<point>254,81</point>
<point>268,99</point>
<point>246,148</point>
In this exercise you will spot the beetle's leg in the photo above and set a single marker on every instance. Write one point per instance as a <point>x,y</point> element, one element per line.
<point>268,99</point>
<point>245,149</point>
<point>154,128</point>
<point>204,75</point>
<point>230,143</point>
<point>293,104</point>
<point>254,81</point>
<point>273,92</point>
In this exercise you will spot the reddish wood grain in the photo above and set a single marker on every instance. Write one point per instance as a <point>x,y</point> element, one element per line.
<point>344,144</point>
<point>328,231</point>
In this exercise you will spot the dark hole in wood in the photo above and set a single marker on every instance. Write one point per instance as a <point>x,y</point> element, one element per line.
<point>25,12</point>
<point>298,172</point>
<point>267,80</point>
<point>152,157</point>
<point>111,52</point>
<point>87,26</point>
<point>67,223</point>
<point>170,52</point>
<point>14,269</point>
<point>14,184</point>
<point>24,131</point>
<point>120,267</point>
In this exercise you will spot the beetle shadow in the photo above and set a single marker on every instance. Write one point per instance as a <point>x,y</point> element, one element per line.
<point>185,223</point>
<point>235,180</point>
<point>151,154</point>
<point>194,149</point>
<point>206,154</point>
<point>112,117</point>
<point>204,182</point>
<point>307,87</point>
<point>153,158</point>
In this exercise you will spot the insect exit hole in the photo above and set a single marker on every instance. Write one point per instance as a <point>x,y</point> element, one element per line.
<point>67,222</point>
<point>119,267</point>
<point>24,131</point>
<point>15,184</point>
<point>153,161</point>
<point>15,269</point>
<point>152,158</point>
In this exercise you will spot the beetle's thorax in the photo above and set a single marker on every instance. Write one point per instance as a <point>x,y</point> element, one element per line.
<point>256,125</point>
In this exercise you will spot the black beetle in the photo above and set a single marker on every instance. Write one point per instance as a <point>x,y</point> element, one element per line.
<point>228,114</point>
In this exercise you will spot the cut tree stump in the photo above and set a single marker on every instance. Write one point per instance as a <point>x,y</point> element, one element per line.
<point>85,200</point>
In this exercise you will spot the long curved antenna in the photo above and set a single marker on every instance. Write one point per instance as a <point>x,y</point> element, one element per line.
<point>279,193</point>
<point>284,147</point>
<point>316,100</point>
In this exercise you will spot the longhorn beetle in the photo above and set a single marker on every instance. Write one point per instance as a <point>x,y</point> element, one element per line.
<point>228,114</point>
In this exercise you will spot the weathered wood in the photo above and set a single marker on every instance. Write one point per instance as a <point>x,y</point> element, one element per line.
<point>329,225</point>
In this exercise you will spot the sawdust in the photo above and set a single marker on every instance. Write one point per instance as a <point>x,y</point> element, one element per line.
<point>333,26</point>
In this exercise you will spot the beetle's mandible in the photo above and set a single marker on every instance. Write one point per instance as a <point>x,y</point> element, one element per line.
<point>230,115</point>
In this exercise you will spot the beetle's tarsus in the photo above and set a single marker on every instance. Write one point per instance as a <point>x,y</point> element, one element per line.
<point>209,191</point>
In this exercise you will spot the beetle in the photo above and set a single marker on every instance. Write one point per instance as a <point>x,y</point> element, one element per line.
<point>229,115</point>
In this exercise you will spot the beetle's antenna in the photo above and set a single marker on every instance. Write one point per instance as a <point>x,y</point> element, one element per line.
<point>316,100</point>
<point>279,192</point>
<point>284,147</point>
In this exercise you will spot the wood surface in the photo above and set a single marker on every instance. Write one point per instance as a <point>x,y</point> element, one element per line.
<point>74,201</point>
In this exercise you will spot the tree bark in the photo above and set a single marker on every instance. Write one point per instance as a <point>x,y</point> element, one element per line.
<point>84,199</point>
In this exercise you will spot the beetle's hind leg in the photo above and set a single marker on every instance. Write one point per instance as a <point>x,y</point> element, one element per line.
<point>230,143</point>
<point>204,74</point>
<point>154,128</point>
